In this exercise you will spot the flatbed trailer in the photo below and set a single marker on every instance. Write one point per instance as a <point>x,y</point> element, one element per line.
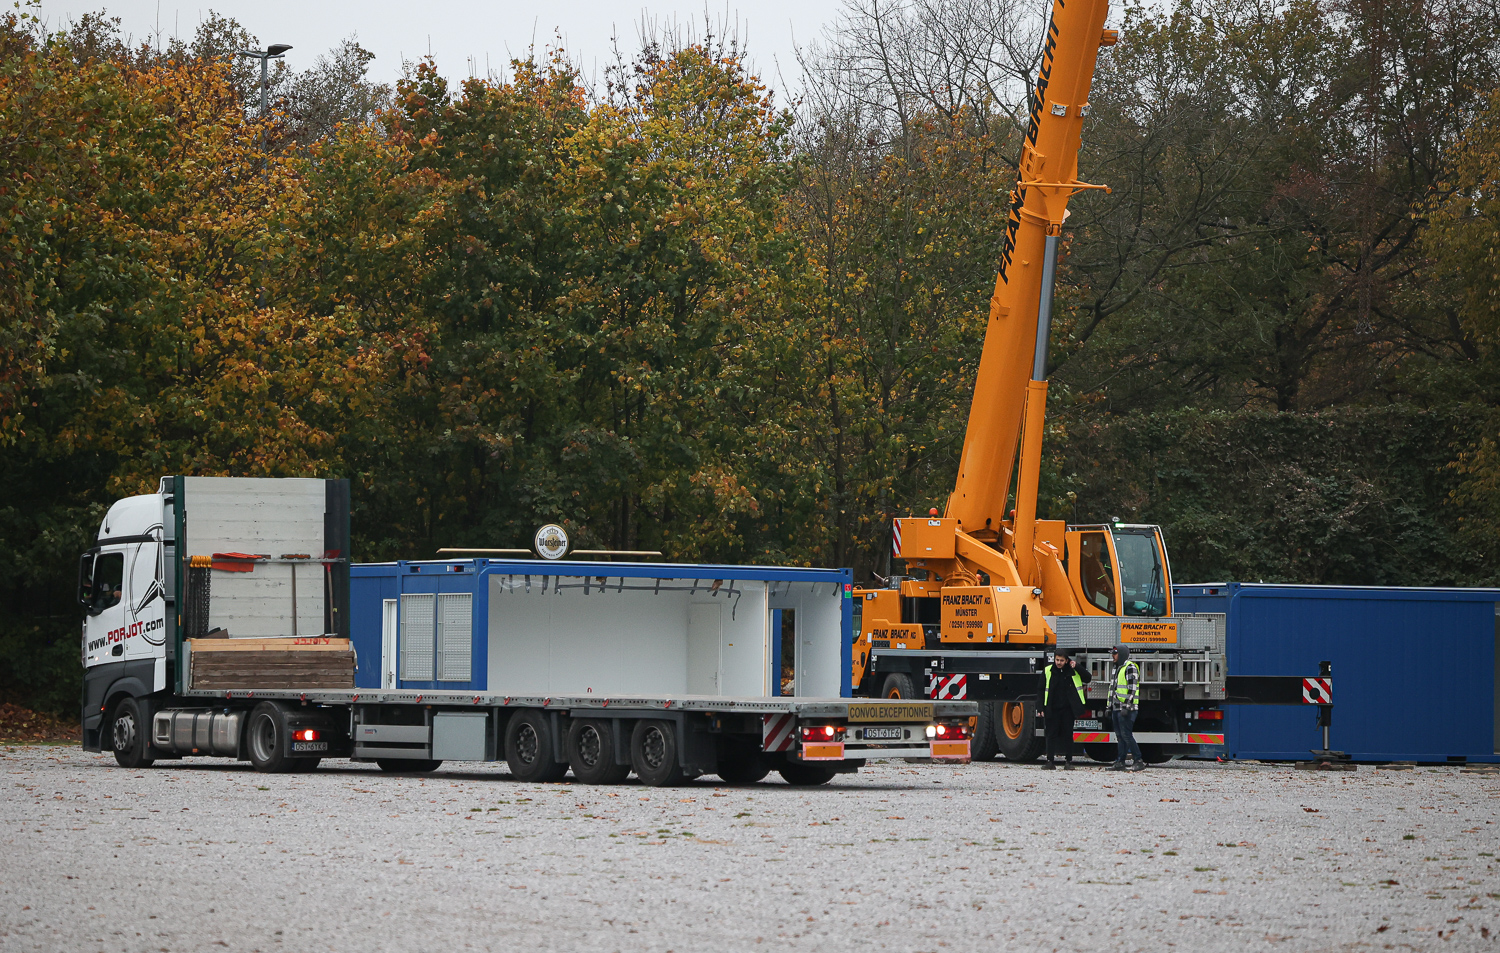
<point>205,639</point>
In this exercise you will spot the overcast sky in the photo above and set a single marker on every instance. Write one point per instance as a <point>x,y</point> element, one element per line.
<point>465,34</point>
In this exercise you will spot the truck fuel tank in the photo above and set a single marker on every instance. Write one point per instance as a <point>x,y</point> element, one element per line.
<point>197,731</point>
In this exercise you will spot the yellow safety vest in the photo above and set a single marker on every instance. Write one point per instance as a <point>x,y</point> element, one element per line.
<point>1047,686</point>
<point>1122,689</point>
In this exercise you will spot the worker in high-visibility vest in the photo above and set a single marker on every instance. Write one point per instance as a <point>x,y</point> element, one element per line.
<point>1124,702</point>
<point>1062,701</point>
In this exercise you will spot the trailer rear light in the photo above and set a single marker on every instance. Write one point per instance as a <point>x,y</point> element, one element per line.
<point>945,732</point>
<point>306,734</point>
<point>1207,715</point>
<point>821,732</point>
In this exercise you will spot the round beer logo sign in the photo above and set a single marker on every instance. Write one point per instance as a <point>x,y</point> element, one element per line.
<point>551,542</point>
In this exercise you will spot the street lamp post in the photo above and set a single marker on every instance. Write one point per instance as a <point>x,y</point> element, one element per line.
<point>273,52</point>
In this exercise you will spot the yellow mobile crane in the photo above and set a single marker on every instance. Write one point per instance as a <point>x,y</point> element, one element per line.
<point>985,583</point>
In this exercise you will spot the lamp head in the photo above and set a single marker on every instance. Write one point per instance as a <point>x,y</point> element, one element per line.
<point>276,49</point>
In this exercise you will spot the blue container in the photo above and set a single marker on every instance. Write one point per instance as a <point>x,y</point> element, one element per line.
<point>1414,670</point>
<point>487,625</point>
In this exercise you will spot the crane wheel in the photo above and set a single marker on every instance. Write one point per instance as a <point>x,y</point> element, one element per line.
<point>1015,735</point>
<point>899,685</point>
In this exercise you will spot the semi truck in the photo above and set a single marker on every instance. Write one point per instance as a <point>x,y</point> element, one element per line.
<point>989,589</point>
<point>224,618</point>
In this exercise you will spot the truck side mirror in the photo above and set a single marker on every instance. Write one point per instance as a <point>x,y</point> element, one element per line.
<point>86,580</point>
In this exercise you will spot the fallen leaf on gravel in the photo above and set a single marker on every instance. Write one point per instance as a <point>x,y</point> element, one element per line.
<point>1171,800</point>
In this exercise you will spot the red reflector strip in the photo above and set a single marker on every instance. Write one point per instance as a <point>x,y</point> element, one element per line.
<point>1090,737</point>
<point>1201,739</point>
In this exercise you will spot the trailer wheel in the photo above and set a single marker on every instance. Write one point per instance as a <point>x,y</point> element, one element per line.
<point>1154,754</point>
<point>801,775</point>
<point>899,685</point>
<point>742,763</point>
<point>983,747</point>
<point>653,753</point>
<point>407,765</point>
<point>127,733</point>
<point>265,740</point>
<point>528,748</point>
<point>1016,734</point>
<point>591,753</point>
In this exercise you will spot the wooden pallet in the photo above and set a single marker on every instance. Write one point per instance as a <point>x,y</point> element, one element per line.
<point>248,664</point>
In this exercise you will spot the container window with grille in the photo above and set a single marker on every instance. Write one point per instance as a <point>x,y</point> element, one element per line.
<point>437,637</point>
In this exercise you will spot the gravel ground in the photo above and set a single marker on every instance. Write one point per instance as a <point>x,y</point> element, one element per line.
<point>205,855</point>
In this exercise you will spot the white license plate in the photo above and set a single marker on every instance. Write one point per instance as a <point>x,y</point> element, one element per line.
<point>1087,724</point>
<point>309,746</point>
<point>884,734</point>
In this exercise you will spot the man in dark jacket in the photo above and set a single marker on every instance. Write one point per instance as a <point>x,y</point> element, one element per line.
<point>1062,701</point>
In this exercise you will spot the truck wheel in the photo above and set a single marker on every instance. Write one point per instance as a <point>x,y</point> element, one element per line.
<point>984,747</point>
<point>127,734</point>
<point>899,685</point>
<point>653,753</point>
<point>1015,735</point>
<point>799,774</point>
<point>265,740</point>
<point>591,753</point>
<point>528,748</point>
<point>407,765</point>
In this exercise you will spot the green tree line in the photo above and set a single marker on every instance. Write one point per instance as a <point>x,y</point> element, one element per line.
<point>673,310</point>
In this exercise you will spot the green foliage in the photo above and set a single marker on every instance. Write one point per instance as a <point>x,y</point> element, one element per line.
<point>1355,496</point>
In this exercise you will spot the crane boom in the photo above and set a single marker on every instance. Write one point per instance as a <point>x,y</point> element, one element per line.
<point>1014,351</point>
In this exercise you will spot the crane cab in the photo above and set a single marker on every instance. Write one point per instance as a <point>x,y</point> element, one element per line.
<point>1119,569</point>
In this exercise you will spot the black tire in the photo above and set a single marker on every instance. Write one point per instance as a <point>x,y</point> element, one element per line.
<point>305,765</point>
<point>127,735</point>
<point>591,753</point>
<point>1015,732</point>
<point>407,765</point>
<point>653,753</point>
<point>803,775</point>
<point>984,747</point>
<point>266,740</point>
<point>742,762</point>
<point>1153,754</point>
<point>1101,751</point>
<point>900,685</point>
<point>529,747</point>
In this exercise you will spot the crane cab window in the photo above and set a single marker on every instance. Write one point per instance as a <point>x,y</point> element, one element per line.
<point>1096,571</point>
<point>1143,586</point>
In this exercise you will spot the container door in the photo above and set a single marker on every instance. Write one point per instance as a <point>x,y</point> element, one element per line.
<point>704,625</point>
<point>388,616</point>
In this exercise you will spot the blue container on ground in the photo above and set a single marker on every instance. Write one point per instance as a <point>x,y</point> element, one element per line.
<point>1414,670</point>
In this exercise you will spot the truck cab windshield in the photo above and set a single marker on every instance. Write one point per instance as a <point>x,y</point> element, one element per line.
<point>1143,588</point>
